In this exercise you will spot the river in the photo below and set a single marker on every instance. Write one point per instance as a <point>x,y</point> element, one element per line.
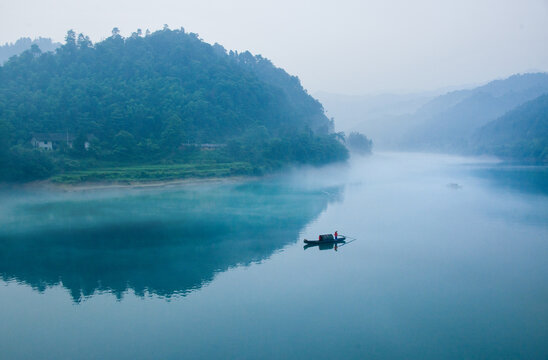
<point>447,258</point>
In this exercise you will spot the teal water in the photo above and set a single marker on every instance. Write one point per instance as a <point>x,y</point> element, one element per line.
<point>450,261</point>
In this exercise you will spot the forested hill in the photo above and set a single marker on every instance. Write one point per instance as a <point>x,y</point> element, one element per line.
<point>135,84</point>
<point>520,134</point>
<point>140,98</point>
<point>10,49</point>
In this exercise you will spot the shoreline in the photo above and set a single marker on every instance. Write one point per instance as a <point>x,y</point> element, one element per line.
<point>108,185</point>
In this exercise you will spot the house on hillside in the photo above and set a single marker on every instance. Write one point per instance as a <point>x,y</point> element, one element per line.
<point>203,147</point>
<point>51,141</point>
<point>211,146</point>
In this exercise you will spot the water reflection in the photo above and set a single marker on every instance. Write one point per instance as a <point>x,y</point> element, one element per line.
<point>164,242</point>
<point>330,246</point>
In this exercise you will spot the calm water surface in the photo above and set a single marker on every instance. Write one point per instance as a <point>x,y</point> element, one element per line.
<point>450,261</point>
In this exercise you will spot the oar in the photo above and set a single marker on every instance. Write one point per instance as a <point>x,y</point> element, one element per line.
<point>347,242</point>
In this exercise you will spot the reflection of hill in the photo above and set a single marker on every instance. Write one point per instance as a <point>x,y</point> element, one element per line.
<point>163,242</point>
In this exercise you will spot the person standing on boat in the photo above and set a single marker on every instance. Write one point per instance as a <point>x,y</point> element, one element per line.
<point>336,234</point>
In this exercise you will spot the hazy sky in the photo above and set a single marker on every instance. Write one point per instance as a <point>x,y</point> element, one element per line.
<point>343,46</point>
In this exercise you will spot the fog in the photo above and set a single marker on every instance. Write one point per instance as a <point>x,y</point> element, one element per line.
<point>349,46</point>
<point>447,253</point>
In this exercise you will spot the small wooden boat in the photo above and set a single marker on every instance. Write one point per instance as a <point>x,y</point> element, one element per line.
<point>326,239</point>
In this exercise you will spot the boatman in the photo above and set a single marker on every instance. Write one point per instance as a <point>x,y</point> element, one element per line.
<point>336,234</point>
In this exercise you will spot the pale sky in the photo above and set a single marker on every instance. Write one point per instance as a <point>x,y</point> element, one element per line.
<point>343,46</point>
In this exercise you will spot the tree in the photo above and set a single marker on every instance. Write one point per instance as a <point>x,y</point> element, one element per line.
<point>35,50</point>
<point>340,136</point>
<point>115,32</point>
<point>172,136</point>
<point>83,41</point>
<point>6,131</point>
<point>79,145</point>
<point>26,164</point>
<point>359,143</point>
<point>70,38</point>
<point>124,145</point>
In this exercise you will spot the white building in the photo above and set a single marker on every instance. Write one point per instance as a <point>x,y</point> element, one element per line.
<point>51,141</point>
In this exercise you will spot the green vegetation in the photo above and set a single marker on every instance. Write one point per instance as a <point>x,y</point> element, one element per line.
<point>144,173</point>
<point>359,143</point>
<point>151,101</point>
<point>10,49</point>
<point>521,134</point>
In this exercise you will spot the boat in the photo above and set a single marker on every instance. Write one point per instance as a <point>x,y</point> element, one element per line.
<point>326,239</point>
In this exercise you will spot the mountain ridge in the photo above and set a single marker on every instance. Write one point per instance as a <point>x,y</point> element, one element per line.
<point>447,122</point>
<point>521,133</point>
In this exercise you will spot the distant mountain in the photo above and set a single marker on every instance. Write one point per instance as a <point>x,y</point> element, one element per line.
<point>374,115</point>
<point>11,49</point>
<point>519,134</point>
<point>447,122</point>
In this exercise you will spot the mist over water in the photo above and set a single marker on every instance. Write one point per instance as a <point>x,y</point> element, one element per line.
<point>162,241</point>
<point>449,262</point>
